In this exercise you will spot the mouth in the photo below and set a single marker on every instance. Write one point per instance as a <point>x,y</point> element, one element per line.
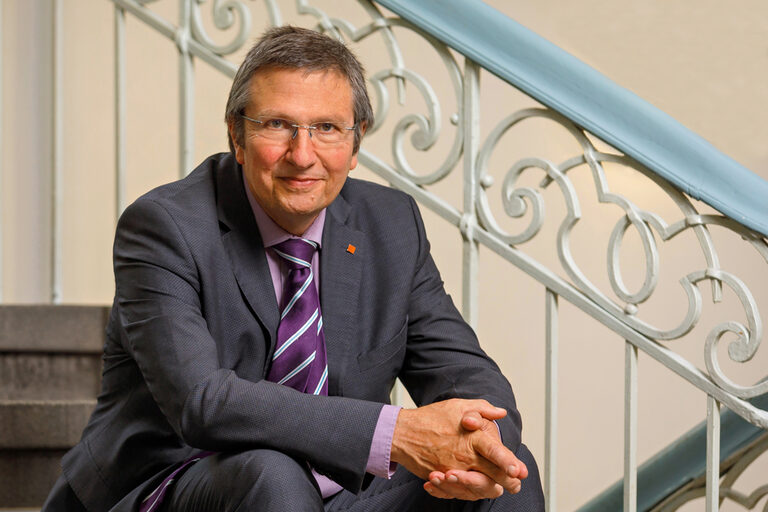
<point>299,181</point>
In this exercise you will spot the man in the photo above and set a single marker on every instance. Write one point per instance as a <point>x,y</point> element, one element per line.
<point>265,305</point>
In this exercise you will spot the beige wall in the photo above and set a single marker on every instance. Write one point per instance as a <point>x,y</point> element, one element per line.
<point>703,62</point>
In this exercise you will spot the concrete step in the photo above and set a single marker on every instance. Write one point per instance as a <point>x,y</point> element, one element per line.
<point>51,376</point>
<point>28,476</point>
<point>50,370</point>
<point>34,435</point>
<point>40,424</point>
<point>49,328</point>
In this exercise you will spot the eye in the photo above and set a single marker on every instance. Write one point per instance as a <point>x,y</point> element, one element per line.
<point>275,124</point>
<point>325,127</point>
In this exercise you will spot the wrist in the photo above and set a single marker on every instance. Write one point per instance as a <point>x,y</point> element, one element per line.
<point>400,436</point>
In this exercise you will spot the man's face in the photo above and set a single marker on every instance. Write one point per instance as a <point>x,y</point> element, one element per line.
<point>294,180</point>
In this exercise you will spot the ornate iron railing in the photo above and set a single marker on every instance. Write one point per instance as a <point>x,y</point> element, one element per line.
<point>508,204</point>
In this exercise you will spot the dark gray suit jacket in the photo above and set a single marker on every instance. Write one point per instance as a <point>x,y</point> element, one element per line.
<point>194,321</point>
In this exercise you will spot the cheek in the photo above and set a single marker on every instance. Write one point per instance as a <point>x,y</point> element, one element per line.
<point>341,162</point>
<point>267,155</point>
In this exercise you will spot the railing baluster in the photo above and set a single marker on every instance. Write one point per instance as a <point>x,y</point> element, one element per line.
<point>57,178</point>
<point>186,90</point>
<point>120,110</point>
<point>550,432</point>
<point>471,128</point>
<point>2,231</point>
<point>630,428</point>
<point>713,455</point>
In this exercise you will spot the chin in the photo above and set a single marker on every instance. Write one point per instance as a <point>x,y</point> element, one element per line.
<point>303,210</point>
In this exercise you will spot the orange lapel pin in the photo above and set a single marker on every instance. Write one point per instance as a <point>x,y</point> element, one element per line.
<point>351,249</point>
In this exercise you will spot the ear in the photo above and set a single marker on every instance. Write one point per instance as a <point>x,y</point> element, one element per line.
<point>239,152</point>
<point>363,129</point>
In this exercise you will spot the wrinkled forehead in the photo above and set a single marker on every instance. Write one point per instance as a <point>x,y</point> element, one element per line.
<point>301,92</point>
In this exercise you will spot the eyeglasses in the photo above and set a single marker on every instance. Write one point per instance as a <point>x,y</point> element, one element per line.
<point>324,133</point>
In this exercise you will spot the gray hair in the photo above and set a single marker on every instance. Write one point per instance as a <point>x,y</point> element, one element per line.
<point>297,48</point>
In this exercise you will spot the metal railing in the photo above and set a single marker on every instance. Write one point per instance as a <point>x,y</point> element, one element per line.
<point>1,150</point>
<point>488,203</point>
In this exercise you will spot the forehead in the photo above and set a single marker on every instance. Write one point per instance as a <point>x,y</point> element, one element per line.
<point>301,94</point>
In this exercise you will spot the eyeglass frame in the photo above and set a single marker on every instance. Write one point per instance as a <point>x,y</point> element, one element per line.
<point>296,126</point>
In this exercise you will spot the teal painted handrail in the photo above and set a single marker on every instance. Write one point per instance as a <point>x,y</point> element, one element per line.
<point>562,82</point>
<point>681,462</point>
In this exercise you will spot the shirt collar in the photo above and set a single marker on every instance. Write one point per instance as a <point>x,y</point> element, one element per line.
<point>271,233</point>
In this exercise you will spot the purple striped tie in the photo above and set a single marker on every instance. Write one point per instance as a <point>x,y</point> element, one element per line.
<point>299,360</point>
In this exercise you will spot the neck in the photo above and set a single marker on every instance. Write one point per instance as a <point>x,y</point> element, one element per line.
<point>294,226</point>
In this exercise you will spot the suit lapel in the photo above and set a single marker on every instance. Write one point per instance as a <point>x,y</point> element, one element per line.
<point>341,263</point>
<point>242,241</point>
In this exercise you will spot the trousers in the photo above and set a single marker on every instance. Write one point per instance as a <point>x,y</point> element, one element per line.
<point>267,480</point>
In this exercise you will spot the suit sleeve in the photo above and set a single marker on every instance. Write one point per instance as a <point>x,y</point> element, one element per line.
<point>443,358</point>
<point>210,407</point>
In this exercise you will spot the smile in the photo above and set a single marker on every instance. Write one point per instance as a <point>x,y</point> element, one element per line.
<point>299,181</point>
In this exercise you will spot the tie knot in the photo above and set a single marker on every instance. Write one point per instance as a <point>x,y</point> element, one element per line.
<point>297,252</point>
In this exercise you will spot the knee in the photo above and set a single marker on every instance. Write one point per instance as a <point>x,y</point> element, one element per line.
<point>252,480</point>
<point>274,481</point>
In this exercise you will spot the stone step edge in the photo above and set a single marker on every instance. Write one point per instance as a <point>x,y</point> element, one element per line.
<point>43,424</point>
<point>52,328</point>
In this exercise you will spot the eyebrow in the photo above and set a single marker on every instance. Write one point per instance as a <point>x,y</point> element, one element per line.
<point>321,119</point>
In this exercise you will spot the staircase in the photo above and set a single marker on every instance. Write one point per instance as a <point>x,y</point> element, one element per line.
<point>50,368</point>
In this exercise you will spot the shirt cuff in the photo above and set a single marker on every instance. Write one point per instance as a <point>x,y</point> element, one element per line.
<point>379,463</point>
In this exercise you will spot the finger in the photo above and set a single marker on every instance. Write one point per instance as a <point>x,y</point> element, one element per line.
<point>472,420</point>
<point>498,455</point>
<point>498,462</point>
<point>436,478</point>
<point>444,487</point>
<point>486,410</point>
<point>522,469</point>
<point>437,492</point>
<point>451,491</point>
<point>480,485</point>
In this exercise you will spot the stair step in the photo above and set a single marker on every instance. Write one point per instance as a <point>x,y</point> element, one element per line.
<point>50,328</point>
<point>42,424</point>
<point>39,376</point>
<point>34,436</point>
<point>27,476</point>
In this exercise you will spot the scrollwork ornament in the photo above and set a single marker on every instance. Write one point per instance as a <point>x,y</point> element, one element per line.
<point>225,14</point>
<point>648,226</point>
<point>424,129</point>
<point>747,338</point>
<point>516,200</point>
<point>651,259</point>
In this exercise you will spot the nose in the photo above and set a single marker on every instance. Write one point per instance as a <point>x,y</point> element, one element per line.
<point>301,150</point>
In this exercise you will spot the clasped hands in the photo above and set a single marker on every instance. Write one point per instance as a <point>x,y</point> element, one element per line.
<point>455,446</point>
